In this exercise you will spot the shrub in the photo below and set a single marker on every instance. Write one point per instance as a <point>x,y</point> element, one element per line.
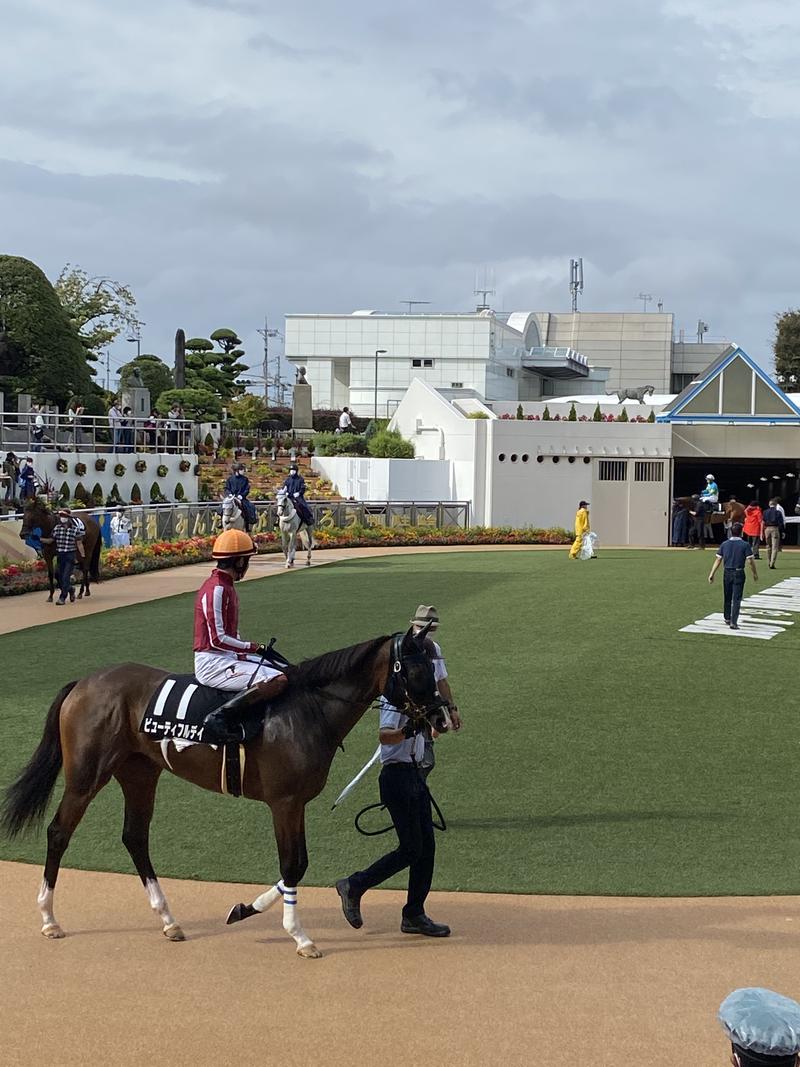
<point>161,470</point>
<point>80,469</point>
<point>624,416</point>
<point>652,416</point>
<point>114,495</point>
<point>156,496</point>
<point>62,466</point>
<point>180,493</point>
<point>573,414</point>
<point>119,470</point>
<point>136,494</point>
<point>339,444</point>
<point>520,412</point>
<point>63,492</point>
<point>100,464</point>
<point>483,415</point>
<point>82,495</point>
<point>546,417</point>
<point>97,495</point>
<point>598,414</point>
<point>184,466</point>
<point>390,444</point>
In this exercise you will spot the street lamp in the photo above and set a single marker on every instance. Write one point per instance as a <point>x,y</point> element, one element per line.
<point>378,352</point>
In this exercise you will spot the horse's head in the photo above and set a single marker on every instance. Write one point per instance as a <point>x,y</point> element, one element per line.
<point>412,681</point>
<point>283,503</point>
<point>35,513</point>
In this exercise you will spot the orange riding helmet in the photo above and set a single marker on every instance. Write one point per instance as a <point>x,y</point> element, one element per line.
<point>232,543</point>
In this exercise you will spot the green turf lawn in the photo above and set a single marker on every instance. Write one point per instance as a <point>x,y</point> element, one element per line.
<point>603,751</point>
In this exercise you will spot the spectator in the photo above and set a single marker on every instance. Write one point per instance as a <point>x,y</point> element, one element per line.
<point>27,479</point>
<point>582,527</point>
<point>11,471</point>
<point>151,424</point>
<point>114,421</point>
<point>37,428</point>
<point>74,411</point>
<point>763,1028</point>
<point>733,553</point>
<point>173,417</point>
<point>120,528</point>
<point>67,534</point>
<point>345,422</point>
<point>126,430</point>
<point>773,531</point>
<point>754,526</point>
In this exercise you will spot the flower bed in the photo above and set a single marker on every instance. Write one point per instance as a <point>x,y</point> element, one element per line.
<point>30,576</point>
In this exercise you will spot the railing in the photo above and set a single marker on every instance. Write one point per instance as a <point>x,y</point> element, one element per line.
<point>93,433</point>
<point>164,522</point>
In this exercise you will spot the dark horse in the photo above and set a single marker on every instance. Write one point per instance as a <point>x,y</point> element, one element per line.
<point>92,729</point>
<point>37,513</point>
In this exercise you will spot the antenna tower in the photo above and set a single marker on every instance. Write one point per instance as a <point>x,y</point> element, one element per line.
<point>280,386</point>
<point>575,280</point>
<point>645,298</point>
<point>484,291</point>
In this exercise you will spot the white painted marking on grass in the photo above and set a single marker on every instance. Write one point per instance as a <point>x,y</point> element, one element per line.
<point>763,615</point>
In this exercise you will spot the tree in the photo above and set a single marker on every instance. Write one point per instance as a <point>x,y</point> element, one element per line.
<point>100,308</point>
<point>198,403</point>
<point>40,351</point>
<point>598,415</point>
<point>155,374</point>
<point>248,411</point>
<point>219,370</point>
<point>389,444</point>
<point>787,345</point>
<point>573,414</point>
<point>520,412</point>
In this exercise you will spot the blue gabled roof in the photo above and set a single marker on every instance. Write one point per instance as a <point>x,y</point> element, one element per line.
<point>676,411</point>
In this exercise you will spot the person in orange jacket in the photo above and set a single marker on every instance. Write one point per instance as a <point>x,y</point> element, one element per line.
<point>754,526</point>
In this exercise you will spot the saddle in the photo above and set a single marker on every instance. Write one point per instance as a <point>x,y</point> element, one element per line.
<point>177,709</point>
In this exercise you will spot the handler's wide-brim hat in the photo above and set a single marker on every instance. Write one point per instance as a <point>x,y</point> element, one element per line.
<point>232,543</point>
<point>426,613</point>
<point>64,511</point>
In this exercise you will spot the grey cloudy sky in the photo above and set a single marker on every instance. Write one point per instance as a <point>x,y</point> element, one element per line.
<point>228,158</point>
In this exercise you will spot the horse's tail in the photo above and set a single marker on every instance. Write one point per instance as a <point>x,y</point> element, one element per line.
<point>26,799</point>
<point>94,562</point>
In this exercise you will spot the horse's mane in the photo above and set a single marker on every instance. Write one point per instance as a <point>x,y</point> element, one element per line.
<point>331,666</point>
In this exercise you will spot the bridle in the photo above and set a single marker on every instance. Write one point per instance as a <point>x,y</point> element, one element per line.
<point>396,689</point>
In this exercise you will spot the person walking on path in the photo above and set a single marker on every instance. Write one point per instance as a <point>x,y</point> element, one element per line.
<point>404,793</point>
<point>754,526</point>
<point>66,535</point>
<point>733,553</point>
<point>773,531</point>
<point>582,527</point>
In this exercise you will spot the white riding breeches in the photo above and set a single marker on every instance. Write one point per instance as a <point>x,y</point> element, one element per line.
<point>223,670</point>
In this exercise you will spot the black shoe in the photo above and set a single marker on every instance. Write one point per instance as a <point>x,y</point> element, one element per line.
<point>218,730</point>
<point>60,602</point>
<point>727,622</point>
<point>72,596</point>
<point>734,625</point>
<point>421,924</point>
<point>350,903</point>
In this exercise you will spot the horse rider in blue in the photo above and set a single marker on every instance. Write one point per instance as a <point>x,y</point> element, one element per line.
<point>295,486</point>
<point>238,485</point>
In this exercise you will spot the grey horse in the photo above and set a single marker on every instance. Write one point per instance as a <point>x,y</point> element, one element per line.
<point>291,527</point>
<point>639,393</point>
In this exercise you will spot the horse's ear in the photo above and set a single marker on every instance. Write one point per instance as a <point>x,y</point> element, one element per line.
<point>423,633</point>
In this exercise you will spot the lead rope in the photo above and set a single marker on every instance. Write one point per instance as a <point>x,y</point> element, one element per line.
<point>440,825</point>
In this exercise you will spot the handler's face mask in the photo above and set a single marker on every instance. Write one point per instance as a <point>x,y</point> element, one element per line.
<point>63,520</point>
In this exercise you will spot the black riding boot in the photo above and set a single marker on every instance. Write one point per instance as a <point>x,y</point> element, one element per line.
<point>225,724</point>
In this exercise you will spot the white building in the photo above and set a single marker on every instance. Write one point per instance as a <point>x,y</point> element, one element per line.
<point>368,360</point>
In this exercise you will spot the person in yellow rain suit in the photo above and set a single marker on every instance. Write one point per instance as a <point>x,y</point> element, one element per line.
<point>581,527</point>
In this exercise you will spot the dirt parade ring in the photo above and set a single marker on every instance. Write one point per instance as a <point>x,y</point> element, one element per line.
<point>524,979</point>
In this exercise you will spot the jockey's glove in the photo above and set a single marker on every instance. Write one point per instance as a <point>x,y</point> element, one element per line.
<point>262,650</point>
<point>411,729</point>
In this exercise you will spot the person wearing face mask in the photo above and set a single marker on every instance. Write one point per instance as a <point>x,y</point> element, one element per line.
<point>295,486</point>
<point>67,534</point>
<point>222,659</point>
<point>763,1028</point>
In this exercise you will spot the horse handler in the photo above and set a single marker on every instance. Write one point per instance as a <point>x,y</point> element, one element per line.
<point>67,536</point>
<point>404,793</point>
<point>733,553</point>
<point>582,527</point>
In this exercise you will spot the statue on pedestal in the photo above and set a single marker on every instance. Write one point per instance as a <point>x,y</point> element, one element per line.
<point>302,410</point>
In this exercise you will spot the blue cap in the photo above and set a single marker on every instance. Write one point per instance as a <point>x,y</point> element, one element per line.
<point>762,1022</point>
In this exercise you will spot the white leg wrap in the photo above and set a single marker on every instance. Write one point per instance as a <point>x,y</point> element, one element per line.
<point>291,923</point>
<point>268,898</point>
<point>158,902</point>
<point>45,902</point>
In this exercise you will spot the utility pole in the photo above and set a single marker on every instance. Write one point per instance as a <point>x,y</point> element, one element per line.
<point>266,333</point>
<point>108,371</point>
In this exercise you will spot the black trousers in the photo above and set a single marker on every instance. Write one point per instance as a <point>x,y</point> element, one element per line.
<point>733,587</point>
<point>406,797</point>
<point>699,529</point>
<point>66,563</point>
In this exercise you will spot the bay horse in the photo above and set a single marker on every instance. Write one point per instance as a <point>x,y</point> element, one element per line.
<point>92,729</point>
<point>291,526</point>
<point>37,513</point>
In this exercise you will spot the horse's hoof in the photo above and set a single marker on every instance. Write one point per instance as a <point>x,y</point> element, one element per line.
<point>49,600</point>
<point>309,952</point>
<point>53,931</point>
<point>173,932</point>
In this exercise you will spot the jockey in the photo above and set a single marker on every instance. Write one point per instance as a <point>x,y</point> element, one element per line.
<point>295,486</point>
<point>711,492</point>
<point>238,485</point>
<point>221,658</point>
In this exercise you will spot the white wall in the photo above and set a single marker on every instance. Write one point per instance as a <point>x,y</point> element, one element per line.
<point>45,465</point>
<point>387,479</point>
